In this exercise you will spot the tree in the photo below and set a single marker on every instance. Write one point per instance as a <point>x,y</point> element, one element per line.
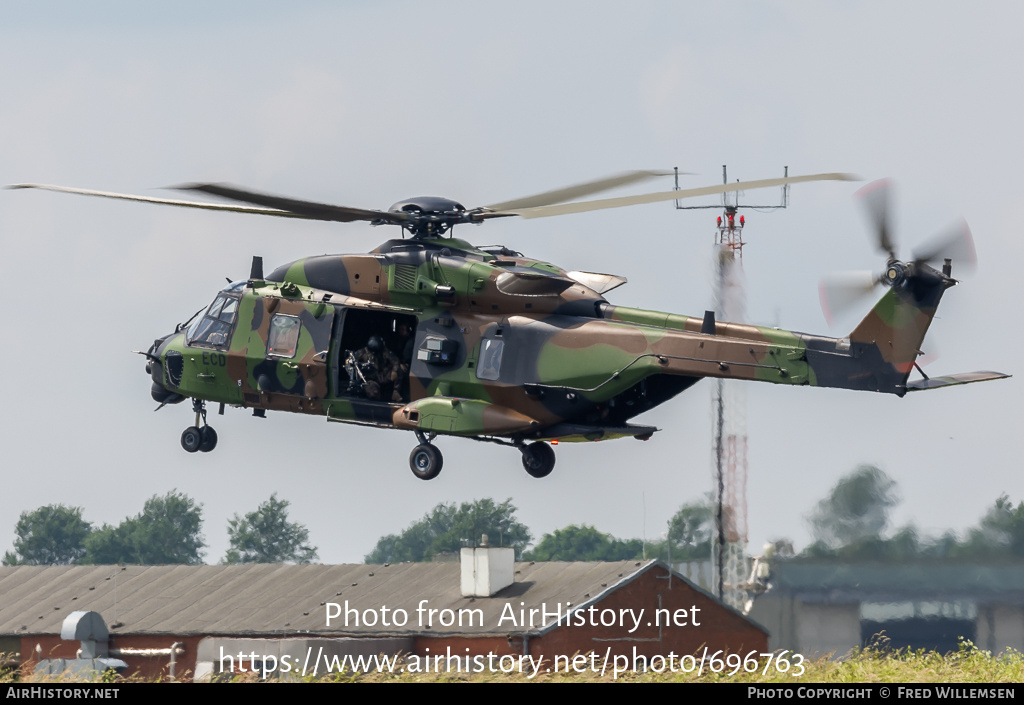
<point>166,532</point>
<point>688,537</point>
<point>446,527</point>
<point>51,535</point>
<point>1000,532</point>
<point>110,544</point>
<point>691,530</point>
<point>583,543</point>
<point>266,536</point>
<point>855,512</point>
<point>689,534</point>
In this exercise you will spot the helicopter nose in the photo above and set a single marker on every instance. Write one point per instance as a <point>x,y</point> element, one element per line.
<point>155,369</point>
<point>158,391</point>
<point>161,394</point>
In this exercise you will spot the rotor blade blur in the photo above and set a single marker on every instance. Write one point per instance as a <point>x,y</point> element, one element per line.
<point>585,206</point>
<point>164,201</point>
<point>305,209</point>
<point>842,290</point>
<point>954,243</point>
<point>875,197</point>
<point>931,348</point>
<point>570,193</point>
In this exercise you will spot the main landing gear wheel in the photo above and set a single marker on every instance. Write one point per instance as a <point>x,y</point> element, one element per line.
<point>191,439</point>
<point>425,461</point>
<point>539,459</point>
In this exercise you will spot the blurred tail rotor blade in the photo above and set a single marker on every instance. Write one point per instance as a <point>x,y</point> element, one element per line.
<point>931,350</point>
<point>954,243</point>
<point>842,290</point>
<point>875,197</point>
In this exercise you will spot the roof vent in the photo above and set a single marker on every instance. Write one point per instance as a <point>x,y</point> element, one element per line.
<point>90,629</point>
<point>486,570</point>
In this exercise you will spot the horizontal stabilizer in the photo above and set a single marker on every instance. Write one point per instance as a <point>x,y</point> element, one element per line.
<point>951,380</point>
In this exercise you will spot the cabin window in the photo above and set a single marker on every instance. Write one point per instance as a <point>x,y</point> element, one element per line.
<point>284,335</point>
<point>490,358</point>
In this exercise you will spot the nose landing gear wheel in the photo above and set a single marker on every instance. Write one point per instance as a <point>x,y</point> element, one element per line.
<point>425,461</point>
<point>199,437</point>
<point>191,439</point>
<point>208,439</point>
<point>539,459</point>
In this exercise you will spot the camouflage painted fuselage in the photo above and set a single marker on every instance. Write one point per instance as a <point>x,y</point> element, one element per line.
<point>502,346</point>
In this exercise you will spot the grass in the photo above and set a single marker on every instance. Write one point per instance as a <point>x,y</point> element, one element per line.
<point>875,664</point>
<point>870,665</point>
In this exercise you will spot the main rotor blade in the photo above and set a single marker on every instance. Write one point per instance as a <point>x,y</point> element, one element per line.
<point>875,197</point>
<point>304,209</point>
<point>570,193</point>
<point>164,201</point>
<point>584,206</point>
<point>954,243</point>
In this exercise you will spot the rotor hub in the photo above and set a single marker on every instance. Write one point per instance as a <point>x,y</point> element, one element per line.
<point>895,273</point>
<point>430,216</point>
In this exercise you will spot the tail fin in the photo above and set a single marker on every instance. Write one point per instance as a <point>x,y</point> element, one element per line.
<point>896,326</point>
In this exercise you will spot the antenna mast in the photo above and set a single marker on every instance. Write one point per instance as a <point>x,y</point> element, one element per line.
<point>728,406</point>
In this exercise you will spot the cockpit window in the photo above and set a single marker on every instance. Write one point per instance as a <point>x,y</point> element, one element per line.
<point>213,330</point>
<point>227,312</point>
<point>214,311</point>
<point>284,335</point>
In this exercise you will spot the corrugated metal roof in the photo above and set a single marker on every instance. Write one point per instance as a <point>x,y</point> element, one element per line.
<point>286,599</point>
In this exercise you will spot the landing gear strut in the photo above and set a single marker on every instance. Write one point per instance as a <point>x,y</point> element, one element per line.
<point>538,459</point>
<point>425,459</point>
<point>200,438</point>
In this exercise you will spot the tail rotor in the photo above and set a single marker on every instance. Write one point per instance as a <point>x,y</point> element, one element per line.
<point>841,291</point>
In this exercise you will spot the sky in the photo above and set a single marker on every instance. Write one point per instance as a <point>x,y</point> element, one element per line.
<point>363,104</point>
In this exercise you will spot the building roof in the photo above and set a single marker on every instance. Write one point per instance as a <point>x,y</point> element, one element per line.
<point>834,581</point>
<point>265,599</point>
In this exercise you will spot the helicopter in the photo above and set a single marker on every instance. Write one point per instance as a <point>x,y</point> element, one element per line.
<point>431,334</point>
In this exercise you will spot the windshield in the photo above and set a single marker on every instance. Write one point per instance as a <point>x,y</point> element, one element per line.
<point>214,328</point>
